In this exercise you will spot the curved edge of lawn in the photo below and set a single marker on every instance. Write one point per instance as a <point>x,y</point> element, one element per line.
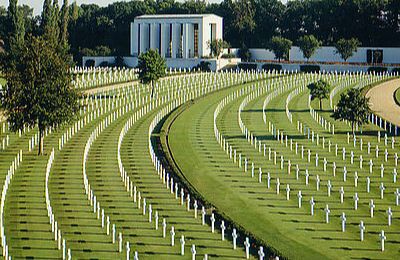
<point>396,96</point>
<point>164,149</point>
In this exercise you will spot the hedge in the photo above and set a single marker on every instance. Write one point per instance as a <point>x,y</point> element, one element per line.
<point>247,66</point>
<point>310,68</point>
<point>271,67</point>
<point>377,69</point>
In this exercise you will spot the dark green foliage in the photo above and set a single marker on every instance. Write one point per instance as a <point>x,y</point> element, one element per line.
<point>90,63</point>
<point>377,69</point>
<point>310,68</point>
<point>346,48</point>
<point>203,66</point>
<point>271,67</point>
<point>217,46</point>
<point>64,24</point>
<point>228,56</point>
<point>38,91</point>
<point>151,67</point>
<point>353,107</point>
<point>308,44</point>
<point>319,90</point>
<point>119,62</point>
<point>17,25</point>
<point>396,70</point>
<point>244,54</point>
<point>280,46</point>
<point>247,66</point>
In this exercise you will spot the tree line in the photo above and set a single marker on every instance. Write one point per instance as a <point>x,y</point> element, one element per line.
<point>95,30</point>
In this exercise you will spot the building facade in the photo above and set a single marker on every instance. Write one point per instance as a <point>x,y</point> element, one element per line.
<point>175,36</point>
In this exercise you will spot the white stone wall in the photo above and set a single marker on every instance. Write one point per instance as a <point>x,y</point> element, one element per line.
<point>328,54</point>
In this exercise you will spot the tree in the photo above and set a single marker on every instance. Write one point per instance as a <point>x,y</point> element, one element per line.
<point>244,53</point>
<point>345,48</point>
<point>319,90</point>
<point>151,68</point>
<point>17,25</point>
<point>354,107</point>
<point>280,46</point>
<point>308,44</point>
<point>217,46</point>
<point>64,24</point>
<point>38,90</point>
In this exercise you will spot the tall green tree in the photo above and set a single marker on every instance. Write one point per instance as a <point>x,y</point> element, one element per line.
<point>309,44</point>
<point>151,68</point>
<point>217,46</point>
<point>353,106</point>
<point>17,25</point>
<point>280,46</point>
<point>319,90</point>
<point>38,91</point>
<point>346,47</point>
<point>64,24</point>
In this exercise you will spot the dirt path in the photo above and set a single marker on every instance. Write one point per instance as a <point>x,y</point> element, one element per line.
<point>382,101</point>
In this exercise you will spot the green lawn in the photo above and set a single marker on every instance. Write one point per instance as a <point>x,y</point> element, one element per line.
<point>280,223</point>
<point>397,96</point>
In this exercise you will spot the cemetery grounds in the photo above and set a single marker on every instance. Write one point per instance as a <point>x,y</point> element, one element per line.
<point>107,165</point>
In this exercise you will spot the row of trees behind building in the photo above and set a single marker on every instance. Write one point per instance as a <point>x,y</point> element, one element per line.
<point>95,30</point>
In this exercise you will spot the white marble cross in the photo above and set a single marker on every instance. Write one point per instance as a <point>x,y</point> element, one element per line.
<point>341,191</point>
<point>287,192</point>
<point>382,237</point>
<point>368,184</point>
<point>172,232</point>
<point>390,214</point>
<point>362,229</point>
<point>222,230</point>
<point>371,208</point>
<point>356,199</point>
<point>327,212</point>
<point>329,186</point>
<point>182,240</point>
<point>343,220</point>
<point>312,203</point>
<point>193,251</point>
<point>299,197</point>
<point>247,246</point>
<point>318,180</point>
<point>397,194</point>
<point>261,253</point>
<point>234,237</point>
<point>212,219</point>
<point>278,183</point>
<point>382,189</point>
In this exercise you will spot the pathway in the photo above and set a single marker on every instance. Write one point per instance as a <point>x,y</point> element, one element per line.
<point>382,101</point>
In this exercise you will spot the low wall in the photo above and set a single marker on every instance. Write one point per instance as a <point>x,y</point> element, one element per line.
<point>323,67</point>
<point>326,54</point>
<point>170,62</point>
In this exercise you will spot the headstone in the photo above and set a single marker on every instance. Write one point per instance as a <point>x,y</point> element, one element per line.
<point>362,230</point>
<point>247,247</point>
<point>382,238</point>
<point>343,220</point>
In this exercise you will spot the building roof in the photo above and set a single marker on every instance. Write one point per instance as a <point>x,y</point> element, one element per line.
<point>174,16</point>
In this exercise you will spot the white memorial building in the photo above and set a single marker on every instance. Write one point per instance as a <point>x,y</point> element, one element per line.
<point>175,36</point>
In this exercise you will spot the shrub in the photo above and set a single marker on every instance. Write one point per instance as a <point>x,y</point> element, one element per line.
<point>396,70</point>
<point>310,68</point>
<point>228,56</point>
<point>203,66</point>
<point>377,69</point>
<point>247,66</point>
<point>244,54</point>
<point>104,64</point>
<point>271,67</point>
<point>90,63</point>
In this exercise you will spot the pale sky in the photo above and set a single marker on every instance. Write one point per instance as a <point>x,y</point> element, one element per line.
<point>37,4</point>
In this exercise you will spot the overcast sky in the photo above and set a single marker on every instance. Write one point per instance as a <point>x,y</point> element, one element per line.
<point>37,4</point>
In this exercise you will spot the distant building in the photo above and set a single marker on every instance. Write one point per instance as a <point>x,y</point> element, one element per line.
<point>176,36</point>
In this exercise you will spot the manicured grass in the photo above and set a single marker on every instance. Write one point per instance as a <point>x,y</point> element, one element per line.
<point>268,216</point>
<point>397,96</point>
